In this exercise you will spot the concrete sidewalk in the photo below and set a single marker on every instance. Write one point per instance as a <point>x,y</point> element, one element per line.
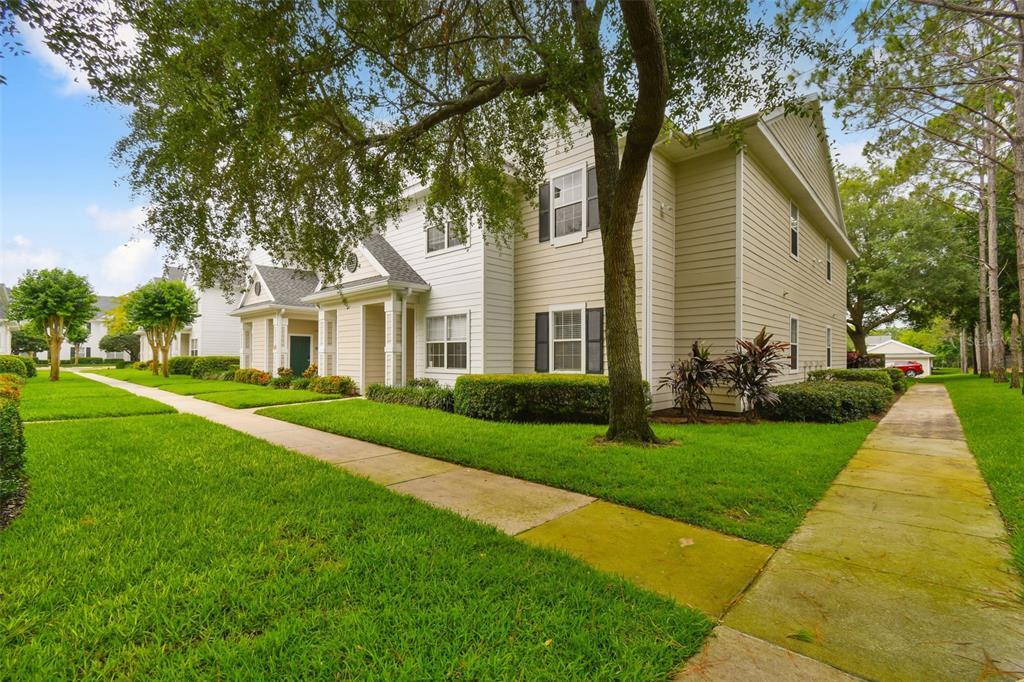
<point>694,566</point>
<point>901,572</point>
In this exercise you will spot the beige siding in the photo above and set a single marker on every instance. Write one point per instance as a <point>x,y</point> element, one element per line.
<point>373,337</point>
<point>365,270</point>
<point>499,308</point>
<point>776,285</point>
<point>250,297</point>
<point>349,338</point>
<point>662,276</point>
<point>801,138</point>
<point>546,275</point>
<point>260,341</point>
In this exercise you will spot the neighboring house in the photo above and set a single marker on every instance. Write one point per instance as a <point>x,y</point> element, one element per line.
<point>97,330</point>
<point>214,332</point>
<point>7,327</point>
<point>726,242</point>
<point>896,352</point>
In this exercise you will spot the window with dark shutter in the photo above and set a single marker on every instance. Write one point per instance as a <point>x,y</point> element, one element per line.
<point>595,340</point>
<point>540,357</point>
<point>593,217</point>
<point>544,217</point>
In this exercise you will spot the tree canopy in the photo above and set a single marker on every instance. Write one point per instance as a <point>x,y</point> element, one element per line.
<point>162,308</point>
<point>53,301</point>
<point>28,340</point>
<point>126,342</point>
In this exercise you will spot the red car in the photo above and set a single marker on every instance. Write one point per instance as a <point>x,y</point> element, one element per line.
<point>910,368</point>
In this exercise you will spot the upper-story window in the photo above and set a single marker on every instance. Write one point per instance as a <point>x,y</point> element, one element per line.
<point>828,261</point>
<point>567,202</point>
<point>448,341</point>
<point>794,230</point>
<point>439,239</point>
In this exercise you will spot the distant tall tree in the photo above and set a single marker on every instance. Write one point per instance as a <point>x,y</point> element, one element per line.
<point>162,308</point>
<point>54,301</point>
<point>302,138</point>
<point>914,257</point>
<point>28,341</point>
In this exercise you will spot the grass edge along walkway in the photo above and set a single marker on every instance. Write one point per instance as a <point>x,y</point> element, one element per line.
<point>75,397</point>
<point>284,567</point>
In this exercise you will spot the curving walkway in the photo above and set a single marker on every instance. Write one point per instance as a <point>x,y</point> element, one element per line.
<point>901,572</point>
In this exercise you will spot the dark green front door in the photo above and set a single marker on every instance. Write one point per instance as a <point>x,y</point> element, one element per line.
<point>299,359</point>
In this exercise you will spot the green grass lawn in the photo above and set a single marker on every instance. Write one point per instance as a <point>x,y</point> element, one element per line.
<point>227,393</point>
<point>75,397</point>
<point>754,481</point>
<point>993,419</point>
<point>167,547</point>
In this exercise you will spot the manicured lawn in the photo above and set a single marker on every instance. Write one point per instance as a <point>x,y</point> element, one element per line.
<point>75,397</point>
<point>167,547</point>
<point>993,419</point>
<point>754,481</point>
<point>227,393</point>
<point>264,397</point>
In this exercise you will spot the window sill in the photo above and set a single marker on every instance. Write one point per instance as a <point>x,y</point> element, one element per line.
<point>569,239</point>
<point>450,249</point>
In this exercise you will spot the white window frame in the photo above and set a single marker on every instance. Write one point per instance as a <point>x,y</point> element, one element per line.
<point>794,229</point>
<point>193,346</point>
<point>448,246</point>
<point>582,307</point>
<point>828,347</point>
<point>828,262</point>
<point>426,342</point>
<point>573,237</point>
<point>794,343</point>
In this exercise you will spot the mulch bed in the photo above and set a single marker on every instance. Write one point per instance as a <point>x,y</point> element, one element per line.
<point>12,506</point>
<point>672,415</point>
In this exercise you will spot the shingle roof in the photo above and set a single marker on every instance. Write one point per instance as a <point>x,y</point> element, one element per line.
<point>106,303</point>
<point>287,286</point>
<point>174,273</point>
<point>397,267</point>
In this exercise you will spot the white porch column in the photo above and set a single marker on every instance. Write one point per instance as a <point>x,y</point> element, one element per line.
<point>321,339</point>
<point>280,343</point>
<point>393,340</point>
<point>241,346</point>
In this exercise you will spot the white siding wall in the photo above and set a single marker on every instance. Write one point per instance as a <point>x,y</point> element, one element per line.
<point>499,307</point>
<point>217,332</point>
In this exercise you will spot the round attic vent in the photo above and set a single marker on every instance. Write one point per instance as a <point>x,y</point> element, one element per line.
<point>352,262</point>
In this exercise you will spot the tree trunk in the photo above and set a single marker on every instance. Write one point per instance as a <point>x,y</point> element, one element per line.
<point>54,341</point>
<point>1015,339</point>
<point>1017,146</point>
<point>980,333</point>
<point>997,350</point>
<point>155,350</point>
<point>963,350</point>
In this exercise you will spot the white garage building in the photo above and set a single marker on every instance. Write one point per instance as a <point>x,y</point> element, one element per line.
<point>896,352</point>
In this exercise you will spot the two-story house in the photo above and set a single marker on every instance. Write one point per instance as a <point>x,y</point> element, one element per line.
<point>726,241</point>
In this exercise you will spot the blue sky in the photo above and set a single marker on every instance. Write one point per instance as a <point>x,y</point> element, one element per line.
<point>62,202</point>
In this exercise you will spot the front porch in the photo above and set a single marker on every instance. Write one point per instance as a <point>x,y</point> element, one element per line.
<point>285,339</point>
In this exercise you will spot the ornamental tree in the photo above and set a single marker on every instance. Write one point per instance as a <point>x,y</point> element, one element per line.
<point>122,343</point>
<point>53,301</point>
<point>28,341</point>
<point>162,308</point>
<point>303,137</point>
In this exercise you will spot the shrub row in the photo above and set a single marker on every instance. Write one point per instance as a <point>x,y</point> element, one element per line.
<point>252,376</point>
<point>81,361</point>
<point>830,401</point>
<point>432,396</point>
<point>212,366</point>
<point>334,385</point>
<point>900,383</point>
<point>12,436</point>
<point>533,397</point>
<point>181,364</point>
<point>14,364</point>
<point>878,376</point>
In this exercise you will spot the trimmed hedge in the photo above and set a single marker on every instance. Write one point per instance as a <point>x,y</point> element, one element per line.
<point>252,376</point>
<point>878,376</point>
<point>211,365</point>
<point>12,364</point>
<point>30,366</point>
<point>334,385</point>
<point>533,397</point>
<point>12,438</point>
<point>831,402</point>
<point>900,383</point>
<point>429,396</point>
<point>181,364</point>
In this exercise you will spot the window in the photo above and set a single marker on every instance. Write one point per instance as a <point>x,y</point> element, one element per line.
<point>794,341</point>
<point>828,346</point>
<point>567,201</point>
<point>794,230</point>
<point>439,239</point>
<point>193,347</point>
<point>448,342</point>
<point>567,340</point>
<point>828,261</point>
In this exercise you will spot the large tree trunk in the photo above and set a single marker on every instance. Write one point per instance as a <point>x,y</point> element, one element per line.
<point>963,351</point>
<point>54,338</point>
<point>859,338</point>
<point>980,331</point>
<point>997,350</point>
<point>1015,339</point>
<point>1017,145</point>
<point>154,348</point>
<point>165,363</point>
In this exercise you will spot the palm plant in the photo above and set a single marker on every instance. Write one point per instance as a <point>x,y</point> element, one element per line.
<point>692,379</point>
<point>749,371</point>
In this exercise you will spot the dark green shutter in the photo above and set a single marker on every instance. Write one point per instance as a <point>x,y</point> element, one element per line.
<point>595,340</point>
<point>544,217</point>
<point>593,217</point>
<point>540,353</point>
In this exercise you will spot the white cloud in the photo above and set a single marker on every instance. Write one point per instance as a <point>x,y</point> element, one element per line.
<point>21,255</point>
<point>72,81</point>
<point>121,222</point>
<point>850,153</point>
<point>128,265</point>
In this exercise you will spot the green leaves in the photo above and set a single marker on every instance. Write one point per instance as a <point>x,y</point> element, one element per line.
<point>53,300</point>
<point>165,305</point>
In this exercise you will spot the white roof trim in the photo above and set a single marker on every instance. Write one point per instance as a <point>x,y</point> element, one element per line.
<point>899,348</point>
